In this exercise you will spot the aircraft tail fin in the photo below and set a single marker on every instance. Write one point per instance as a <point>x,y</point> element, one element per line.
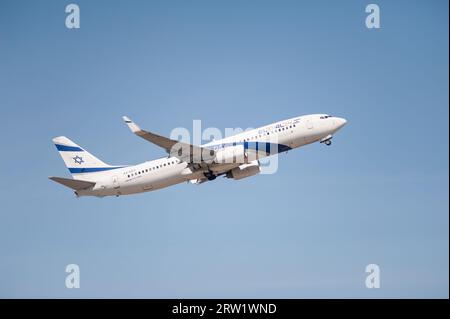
<point>78,160</point>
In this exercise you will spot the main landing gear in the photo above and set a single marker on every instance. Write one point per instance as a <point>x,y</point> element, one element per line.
<point>210,176</point>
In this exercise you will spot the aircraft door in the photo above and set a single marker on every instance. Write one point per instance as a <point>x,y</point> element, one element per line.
<point>115,181</point>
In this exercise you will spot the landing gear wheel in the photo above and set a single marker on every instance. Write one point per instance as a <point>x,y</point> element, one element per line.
<point>210,176</point>
<point>328,143</point>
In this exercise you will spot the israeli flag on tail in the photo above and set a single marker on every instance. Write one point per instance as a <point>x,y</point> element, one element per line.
<point>81,163</point>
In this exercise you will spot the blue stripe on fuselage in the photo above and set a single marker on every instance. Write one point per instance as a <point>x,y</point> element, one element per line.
<point>249,145</point>
<point>79,170</point>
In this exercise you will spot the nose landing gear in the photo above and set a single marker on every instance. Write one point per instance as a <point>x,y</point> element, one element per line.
<point>327,140</point>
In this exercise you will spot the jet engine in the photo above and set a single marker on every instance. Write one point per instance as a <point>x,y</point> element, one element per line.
<point>244,170</point>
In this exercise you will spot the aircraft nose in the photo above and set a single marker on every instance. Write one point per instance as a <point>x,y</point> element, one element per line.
<point>340,122</point>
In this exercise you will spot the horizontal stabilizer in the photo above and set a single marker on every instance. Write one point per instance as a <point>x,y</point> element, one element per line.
<point>75,184</point>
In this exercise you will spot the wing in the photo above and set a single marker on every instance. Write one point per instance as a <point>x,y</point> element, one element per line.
<point>183,151</point>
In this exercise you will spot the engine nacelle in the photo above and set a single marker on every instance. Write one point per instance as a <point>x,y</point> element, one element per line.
<point>231,154</point>
<point>245,170</point>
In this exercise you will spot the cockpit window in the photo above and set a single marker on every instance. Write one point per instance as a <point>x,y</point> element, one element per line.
<point>325,116</point>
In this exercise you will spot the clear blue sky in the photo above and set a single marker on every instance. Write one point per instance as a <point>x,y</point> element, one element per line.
<point>379,194</point>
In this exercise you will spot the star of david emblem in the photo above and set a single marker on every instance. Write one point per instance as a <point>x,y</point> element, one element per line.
<point>78,159</point>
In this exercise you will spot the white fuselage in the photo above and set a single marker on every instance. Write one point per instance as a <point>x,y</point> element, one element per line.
<point>164,172</point>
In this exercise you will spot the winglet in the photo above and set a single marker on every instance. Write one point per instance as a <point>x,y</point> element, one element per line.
<point>133,126</point>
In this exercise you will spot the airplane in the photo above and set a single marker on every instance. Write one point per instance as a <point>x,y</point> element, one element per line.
<point>235,157</point>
